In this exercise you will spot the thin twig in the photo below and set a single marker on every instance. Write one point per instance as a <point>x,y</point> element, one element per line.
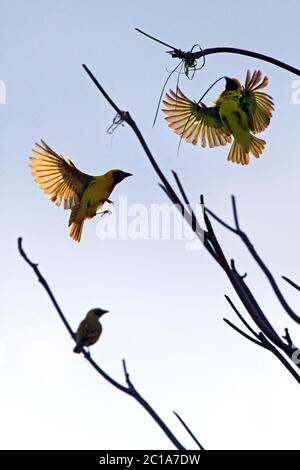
<point>221,222</point>
<point>241,332</point>
<point>188,430</point>
<point>155,39</point>
<point>287,337</point>
<point>235,214</point>
<point>241,317</point>
<point>255,310</point>
<point>292,283</point>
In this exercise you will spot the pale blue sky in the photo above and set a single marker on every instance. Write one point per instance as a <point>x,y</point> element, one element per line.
<point>166,303</point>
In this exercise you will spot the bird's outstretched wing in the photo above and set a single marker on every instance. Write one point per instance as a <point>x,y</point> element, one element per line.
<point>258,105</point>
<point>57,177</point>
<point>192,121</point>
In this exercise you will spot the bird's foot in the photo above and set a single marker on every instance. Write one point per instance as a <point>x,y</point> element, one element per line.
<point>107,200</point>
<point>106,212</point>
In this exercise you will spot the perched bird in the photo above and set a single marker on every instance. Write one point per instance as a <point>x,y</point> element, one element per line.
<point>89,330</point>
<point>81,193</point>
<point>238,111</point>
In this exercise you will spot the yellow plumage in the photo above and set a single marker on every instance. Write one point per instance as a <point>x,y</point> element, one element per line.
<point>63,182</point>
<point>237,112</point>
<point>89,330</point>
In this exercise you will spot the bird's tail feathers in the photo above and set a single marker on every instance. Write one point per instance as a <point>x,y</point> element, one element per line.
<point>76,230</point>
<point>76,222</point>
<point>256,146</point>
<point>238,154</point>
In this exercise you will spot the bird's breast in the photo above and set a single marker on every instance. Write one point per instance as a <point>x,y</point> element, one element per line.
<point>233,116</point>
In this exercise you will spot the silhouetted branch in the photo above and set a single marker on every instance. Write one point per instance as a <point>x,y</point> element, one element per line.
<point>242,333</point>
<point>262,340</point>
<point>292,283</point>
<point>287,337</point>
<point>282,359</point>
<point>212,244</point>
<point>44,283</point>
<point>245,239</point>
<point>130,389</point>
<point>241,317</point>
<point>255,311</point>
<point>188,430</point>
<point>182,55</point>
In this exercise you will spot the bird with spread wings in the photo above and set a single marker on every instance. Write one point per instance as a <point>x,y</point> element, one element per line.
<point>81,193</point>
<point>240,111</point>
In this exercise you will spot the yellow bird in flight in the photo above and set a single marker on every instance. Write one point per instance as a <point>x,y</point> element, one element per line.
<point>89,330</point>
<point>81,193</point>
<point>237,112</point>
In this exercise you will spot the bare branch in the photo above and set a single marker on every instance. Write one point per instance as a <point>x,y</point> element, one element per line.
<point>245,239</point>
<point>44,283</point>
<point>292,283</point>
<point>127,377</point>
<point>263,341</point>
<point>188,430</point>
<point>130,389</point>
<point>241,332</point>
<point>212,244</point>
<point>183,194</point>
<point>287,337</point>
<point>282,359</point>
<point>241,317</point>
<point>221,222</point>
<point>235,214</point>
<point>179,54</point>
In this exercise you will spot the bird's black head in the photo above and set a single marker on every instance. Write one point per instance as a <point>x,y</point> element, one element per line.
<point>232,84</point>
<point>98,312</point>
<point>119,175</point>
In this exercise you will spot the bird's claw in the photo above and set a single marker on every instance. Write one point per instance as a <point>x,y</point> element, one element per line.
<point>103,201</point>
<point>106,212</point>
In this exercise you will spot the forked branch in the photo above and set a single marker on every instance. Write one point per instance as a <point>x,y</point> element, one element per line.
<point>247,242</point>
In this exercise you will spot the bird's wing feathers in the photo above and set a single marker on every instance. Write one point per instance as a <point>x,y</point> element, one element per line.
<point>89,331</point>
<point>192,121</point>
<point>57,177</point>
<point>258,105</point>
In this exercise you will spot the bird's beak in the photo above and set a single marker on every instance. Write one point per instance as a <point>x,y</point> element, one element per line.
<point>125,175</point>
<point>104,311</point>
